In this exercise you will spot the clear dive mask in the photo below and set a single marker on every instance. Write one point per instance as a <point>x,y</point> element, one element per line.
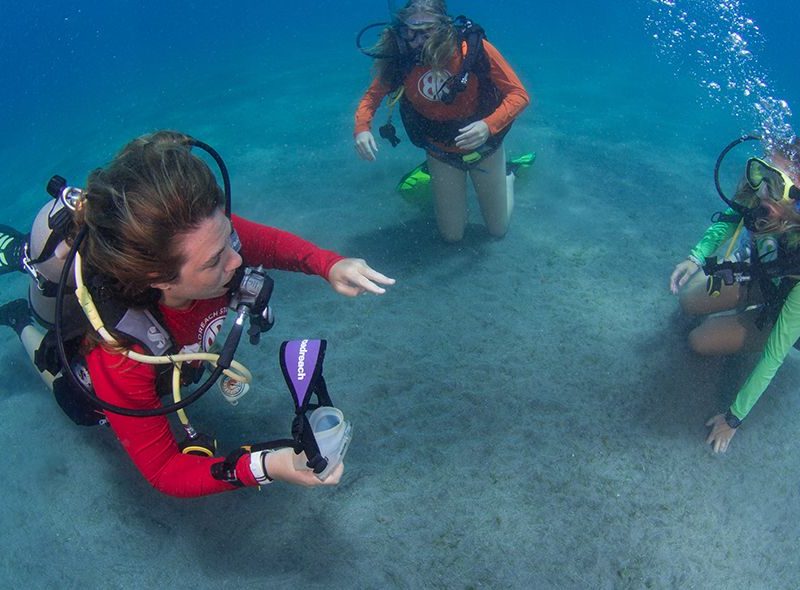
<point>320,434</point>
<point>333,434</point>
<point>408,31</point>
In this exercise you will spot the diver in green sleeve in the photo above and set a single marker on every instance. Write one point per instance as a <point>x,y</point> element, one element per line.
<point>756,279</point>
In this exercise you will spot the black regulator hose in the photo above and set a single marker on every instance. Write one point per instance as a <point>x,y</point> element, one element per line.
<point>231,342</point>
<point>226,179</point>
<point>367,52</point>
<point>740,209</point>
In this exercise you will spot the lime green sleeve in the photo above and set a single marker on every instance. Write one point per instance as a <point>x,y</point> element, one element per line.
<point>784,334</point>
<point>715,236</point>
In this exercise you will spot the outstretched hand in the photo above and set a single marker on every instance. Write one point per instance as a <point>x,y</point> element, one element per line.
<point>721,434</point>
<point>472,136</point>
<point>681,275</point>
<point>353,276</point>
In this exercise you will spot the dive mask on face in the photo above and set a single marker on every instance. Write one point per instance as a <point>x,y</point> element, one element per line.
<point>409,33</point>
<point>414,27</point>
<point>779,185</point>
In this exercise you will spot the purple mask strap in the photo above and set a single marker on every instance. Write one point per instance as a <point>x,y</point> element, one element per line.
<point>300,358</point>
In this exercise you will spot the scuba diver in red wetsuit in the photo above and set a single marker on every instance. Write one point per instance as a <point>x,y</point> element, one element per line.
<point>158,261</point>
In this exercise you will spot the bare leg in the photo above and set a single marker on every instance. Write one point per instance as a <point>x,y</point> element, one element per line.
<point>495,190</point>
<point>450,199</point>
<point>695,300</point>
<point>722,334</point>
<point>727,334</point>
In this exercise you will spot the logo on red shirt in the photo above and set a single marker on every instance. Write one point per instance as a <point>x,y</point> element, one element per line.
<point>211,331</point>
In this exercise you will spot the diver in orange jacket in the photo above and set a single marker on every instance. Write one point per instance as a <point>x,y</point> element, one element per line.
<point>458,98</point>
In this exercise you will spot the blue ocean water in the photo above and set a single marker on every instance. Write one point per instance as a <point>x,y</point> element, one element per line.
<point>525,414</point>
<point>106,71</point>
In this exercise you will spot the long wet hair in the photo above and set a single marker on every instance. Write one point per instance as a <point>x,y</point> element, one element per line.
<point>438,50</point>
<point>779,218</point>
<point>137,207</point>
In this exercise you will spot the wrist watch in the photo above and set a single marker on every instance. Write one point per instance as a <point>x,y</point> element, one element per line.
<point>732,420</point>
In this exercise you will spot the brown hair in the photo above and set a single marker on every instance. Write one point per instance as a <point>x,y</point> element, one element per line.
<point>135,207</point>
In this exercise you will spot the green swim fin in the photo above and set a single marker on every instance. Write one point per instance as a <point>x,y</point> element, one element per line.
<point>516,165</point>
<point>415,187</point>
<point>12,244</point>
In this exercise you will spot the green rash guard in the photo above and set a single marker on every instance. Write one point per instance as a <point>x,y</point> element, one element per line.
<point>720,231</point>
<point>781,339</point>
<point>715,236</point>
<point>785,332</point>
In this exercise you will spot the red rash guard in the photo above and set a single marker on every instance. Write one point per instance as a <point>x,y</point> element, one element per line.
<point>121,381</point>
<point>419,90</point>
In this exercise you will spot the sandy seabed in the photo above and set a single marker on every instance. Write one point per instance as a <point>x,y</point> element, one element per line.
<point>526,413</point>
